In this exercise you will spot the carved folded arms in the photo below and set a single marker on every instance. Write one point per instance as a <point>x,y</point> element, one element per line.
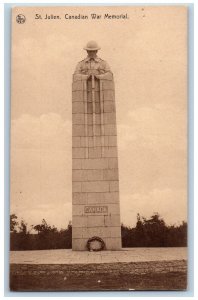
<point>92,66</point>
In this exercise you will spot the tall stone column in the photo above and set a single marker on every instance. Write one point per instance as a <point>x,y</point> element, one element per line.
<point>95,189</point>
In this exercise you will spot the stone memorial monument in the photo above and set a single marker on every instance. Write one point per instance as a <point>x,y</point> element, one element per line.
<point>95,182</point>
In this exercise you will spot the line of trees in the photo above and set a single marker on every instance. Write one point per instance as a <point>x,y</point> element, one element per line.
<point>151,232</point>
<point>45,236</point>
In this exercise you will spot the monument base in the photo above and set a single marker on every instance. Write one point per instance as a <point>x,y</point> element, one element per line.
<point>110,244</point>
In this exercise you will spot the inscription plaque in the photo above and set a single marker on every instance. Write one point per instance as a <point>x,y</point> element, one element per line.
<point>96,209</point>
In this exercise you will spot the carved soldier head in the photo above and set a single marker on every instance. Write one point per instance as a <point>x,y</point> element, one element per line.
<point>92,48</point>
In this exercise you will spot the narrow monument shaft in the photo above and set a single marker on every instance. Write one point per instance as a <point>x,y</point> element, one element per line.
<point>95,189</point>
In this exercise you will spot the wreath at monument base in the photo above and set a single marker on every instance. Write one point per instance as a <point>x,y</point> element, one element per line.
<point>95,244</point>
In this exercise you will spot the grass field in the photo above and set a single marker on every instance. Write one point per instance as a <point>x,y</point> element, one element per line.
<point>93,279</point>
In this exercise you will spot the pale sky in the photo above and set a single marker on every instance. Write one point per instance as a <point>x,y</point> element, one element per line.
<point>147,55</point>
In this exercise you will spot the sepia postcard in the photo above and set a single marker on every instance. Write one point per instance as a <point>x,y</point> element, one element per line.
<point>98,187</point>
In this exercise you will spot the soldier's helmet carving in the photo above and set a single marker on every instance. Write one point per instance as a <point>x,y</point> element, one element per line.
<point>92,46</point>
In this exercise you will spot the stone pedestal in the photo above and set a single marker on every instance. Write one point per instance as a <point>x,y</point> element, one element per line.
<point>95,190</point>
